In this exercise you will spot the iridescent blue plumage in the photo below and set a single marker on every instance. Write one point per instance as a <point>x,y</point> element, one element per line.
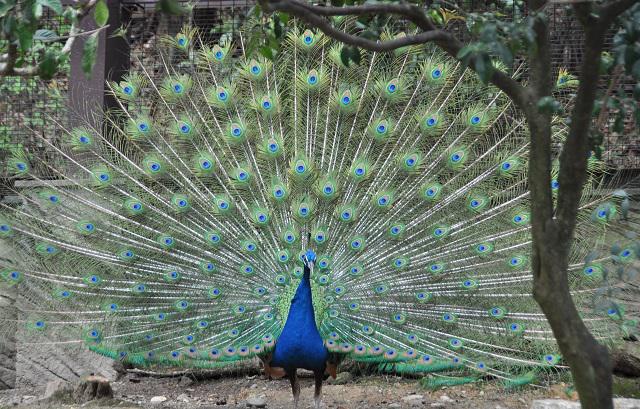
<point>300,344</point>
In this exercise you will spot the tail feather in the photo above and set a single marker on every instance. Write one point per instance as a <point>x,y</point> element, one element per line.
<point>176,236</point>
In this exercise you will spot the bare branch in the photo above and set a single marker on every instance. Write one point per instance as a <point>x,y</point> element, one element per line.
<point>573,160</point>
<point>371,45</point>
<point>583,13</point>
<point>604,111</point>
<point>313,15</point>
<point>409,11</point>
<point>609,11</point>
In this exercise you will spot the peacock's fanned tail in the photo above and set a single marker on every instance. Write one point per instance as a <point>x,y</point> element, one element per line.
<point>176,236</point>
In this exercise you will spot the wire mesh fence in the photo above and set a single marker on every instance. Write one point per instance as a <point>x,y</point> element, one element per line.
<point>29,106</point>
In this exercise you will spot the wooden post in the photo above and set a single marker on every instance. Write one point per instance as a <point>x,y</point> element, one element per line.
<point>87,96</point>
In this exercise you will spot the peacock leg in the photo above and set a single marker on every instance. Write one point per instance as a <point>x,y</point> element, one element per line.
<point>317,396</point>
<point>295,386</point>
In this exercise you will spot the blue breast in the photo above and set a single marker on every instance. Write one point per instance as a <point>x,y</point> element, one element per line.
<point>300,344</point>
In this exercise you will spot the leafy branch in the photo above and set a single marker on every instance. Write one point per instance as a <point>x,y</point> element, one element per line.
<point>21,21</point>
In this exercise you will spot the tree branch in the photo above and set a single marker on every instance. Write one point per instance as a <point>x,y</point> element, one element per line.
<point>8,60</point>
<point>313,15</point>
<point>608,12</point>
<point>409,11</point>
<point>379,46</point>
<point>583,13</point>
<point>573,159</point>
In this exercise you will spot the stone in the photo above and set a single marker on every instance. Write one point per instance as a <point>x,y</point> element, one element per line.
<point>626,403</point>
<point>183,398</point>
<point>158,400</point>
<point>342,378</point>
<point>28,398</point>
<point>618,403</point>
<point>257,402</point>
<point>185,381</point>
<point>445,398</point>
<point>55,386</point>
<point>413,400</point>
<point>395,405</point>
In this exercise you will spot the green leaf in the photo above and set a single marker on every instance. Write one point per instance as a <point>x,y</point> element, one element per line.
<point>277,26</point>
<point>345,55</point>
<point>25,35</point>
<point>45,35</point>
<point>89,54</point>
<point>37,10</point>
<point>267,52</point>
<point>436,17</point>
<point>101,13</point>
<point>6,7</point>
<point>355,55</point>
<point>55,5</point>
<point>483,66</point>
<point>503,52</point>
<point>465,53</point>
<point>172,7</point>
<point>635,70</point>
<point>636,91</point>
<point>49,65</point>
<point>548,105</point>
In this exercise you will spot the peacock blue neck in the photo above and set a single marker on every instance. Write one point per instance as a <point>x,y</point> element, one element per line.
<point>300,344</point>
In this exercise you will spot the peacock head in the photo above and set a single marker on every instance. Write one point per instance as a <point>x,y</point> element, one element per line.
<point>309,257</point>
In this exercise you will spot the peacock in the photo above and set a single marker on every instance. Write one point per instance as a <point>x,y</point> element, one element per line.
<point>304,209</point>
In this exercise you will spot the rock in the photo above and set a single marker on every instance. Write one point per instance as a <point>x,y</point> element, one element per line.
<point>183,398</point>
<point>92,387</point>
<point>185,381</point>
<point>625,403</point>
<point>554,404</point>
<point>253,386</point>
<point>411,397</point>
<point>55,386</point>
<point>257,402</point>
<point>341,379</point>
<point>626,361</point>
<point>413,400</point>
<point>618,403</point>
<point>445,398</point>
<point>158,400</point>
<point>394,405</point>
<point>28,398</point>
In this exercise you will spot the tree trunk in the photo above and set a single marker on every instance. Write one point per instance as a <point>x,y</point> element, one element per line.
<point>552,230</point>
<point>589,361</point>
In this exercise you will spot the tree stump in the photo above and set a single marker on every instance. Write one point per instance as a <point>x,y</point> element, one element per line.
<point>625,364</point>
<point>91,388</point>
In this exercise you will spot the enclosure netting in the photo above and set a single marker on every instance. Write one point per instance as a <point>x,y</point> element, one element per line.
<point>27,103</point>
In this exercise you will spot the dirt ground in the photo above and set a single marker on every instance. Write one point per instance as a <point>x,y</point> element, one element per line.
<point>374,392</point>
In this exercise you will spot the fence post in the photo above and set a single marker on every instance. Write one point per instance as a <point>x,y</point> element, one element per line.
<point>87,96</point>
